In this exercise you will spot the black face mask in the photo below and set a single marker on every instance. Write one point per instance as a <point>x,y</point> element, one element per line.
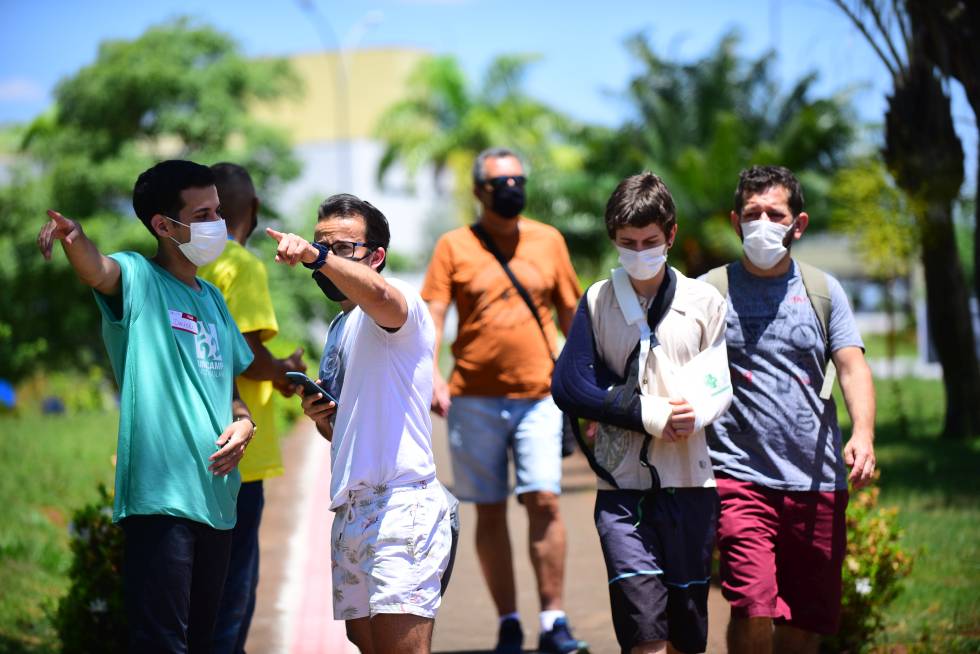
<point>507,201</point>
<point>328,287</point>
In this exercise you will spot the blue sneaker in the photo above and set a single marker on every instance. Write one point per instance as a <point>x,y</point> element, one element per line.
<point>560,640</point>
<point>510,638</point>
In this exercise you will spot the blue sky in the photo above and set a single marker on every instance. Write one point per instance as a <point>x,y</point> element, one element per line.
<point>583,66</point>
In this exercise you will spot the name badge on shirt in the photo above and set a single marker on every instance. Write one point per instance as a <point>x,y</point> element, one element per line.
<point>183,321</point>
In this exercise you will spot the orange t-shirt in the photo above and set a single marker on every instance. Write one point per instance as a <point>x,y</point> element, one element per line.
<point>499,349</point>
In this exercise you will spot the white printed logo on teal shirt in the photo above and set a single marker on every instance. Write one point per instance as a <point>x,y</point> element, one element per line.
<point>208,349</point>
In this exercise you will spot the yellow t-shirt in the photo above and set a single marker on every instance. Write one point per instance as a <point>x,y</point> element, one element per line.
<point>243,281</point>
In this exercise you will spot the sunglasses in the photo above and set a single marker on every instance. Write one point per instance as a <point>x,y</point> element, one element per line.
<point>502,181</point>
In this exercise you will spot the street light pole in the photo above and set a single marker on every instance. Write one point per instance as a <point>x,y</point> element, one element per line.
<point>327,35</point>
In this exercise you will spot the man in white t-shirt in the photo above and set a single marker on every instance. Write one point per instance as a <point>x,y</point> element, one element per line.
<point>391,537</point>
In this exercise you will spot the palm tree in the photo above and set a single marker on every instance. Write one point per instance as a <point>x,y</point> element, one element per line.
<point>444,122</point>
<point>698,124</point>
<point>926,159</point>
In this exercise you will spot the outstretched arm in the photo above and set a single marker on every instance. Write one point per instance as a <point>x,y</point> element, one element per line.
<point>364,286</point>
<point>92,267</point>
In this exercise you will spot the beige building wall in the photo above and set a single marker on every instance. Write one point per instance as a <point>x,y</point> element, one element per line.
<point>375,79</point>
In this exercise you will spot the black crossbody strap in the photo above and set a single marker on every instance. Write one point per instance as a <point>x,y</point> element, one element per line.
<point>492,247</point>
<point>567,420</point>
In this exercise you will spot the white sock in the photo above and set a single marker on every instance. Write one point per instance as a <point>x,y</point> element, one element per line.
<point>548,619</point>
<point>515,616</point>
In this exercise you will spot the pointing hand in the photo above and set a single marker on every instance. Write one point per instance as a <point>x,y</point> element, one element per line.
<point>292,249</point>
<point>58,228</point>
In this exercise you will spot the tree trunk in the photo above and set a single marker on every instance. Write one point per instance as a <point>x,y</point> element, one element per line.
<point>926,158</point>
<point>950,324</point>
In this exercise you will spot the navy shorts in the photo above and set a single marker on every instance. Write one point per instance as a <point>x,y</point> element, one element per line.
<point>657,548</point>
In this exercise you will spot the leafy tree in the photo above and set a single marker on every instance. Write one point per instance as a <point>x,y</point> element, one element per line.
<point>925,157</point>
<point>876,214</point>
<point>179,90</point>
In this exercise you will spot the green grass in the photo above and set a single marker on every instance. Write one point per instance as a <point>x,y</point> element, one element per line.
<point>936,486</point>
<point>876,345</point>
<point>50,467</point>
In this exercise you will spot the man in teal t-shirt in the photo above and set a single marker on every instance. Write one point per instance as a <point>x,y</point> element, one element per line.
<point>175,352</point>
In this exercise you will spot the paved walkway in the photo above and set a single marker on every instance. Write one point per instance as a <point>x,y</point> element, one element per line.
<point>294,604</point>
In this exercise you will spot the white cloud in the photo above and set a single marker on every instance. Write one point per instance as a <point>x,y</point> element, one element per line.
<point>18,89</point>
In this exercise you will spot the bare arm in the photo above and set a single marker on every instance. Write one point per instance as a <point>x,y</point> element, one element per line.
<point>266,367</point>
<point>92,267</point>
<point>440,389</point>
<point>859,396</point>
<point>384,303</point>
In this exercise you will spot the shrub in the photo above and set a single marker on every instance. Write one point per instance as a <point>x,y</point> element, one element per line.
<point>92,617</point>
<point>873,569</point>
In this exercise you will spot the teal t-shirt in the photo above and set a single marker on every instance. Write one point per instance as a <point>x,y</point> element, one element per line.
<point>175,352</point>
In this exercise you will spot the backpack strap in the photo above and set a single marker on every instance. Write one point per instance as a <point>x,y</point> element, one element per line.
<point>718,277</point>
<point>818,291</point>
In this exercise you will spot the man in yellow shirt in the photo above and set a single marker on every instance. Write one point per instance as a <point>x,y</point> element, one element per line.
<point>243,281</point>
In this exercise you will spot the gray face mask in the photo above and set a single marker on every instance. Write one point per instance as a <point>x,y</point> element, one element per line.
<point>207,241</point>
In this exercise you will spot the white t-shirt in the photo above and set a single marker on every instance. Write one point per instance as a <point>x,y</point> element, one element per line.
<point>383,380</point>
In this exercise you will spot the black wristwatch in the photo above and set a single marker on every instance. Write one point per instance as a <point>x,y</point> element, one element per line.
<point>320,259</point>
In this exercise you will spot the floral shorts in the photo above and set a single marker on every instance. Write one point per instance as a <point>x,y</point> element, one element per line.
<point>389,549</point>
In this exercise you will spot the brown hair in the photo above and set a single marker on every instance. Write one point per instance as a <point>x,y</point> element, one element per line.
<point>638,201</point>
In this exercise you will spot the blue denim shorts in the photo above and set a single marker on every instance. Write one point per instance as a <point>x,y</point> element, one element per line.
<point>485,431</point>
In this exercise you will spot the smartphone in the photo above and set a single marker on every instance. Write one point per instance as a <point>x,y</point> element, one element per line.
<point>310,387</point>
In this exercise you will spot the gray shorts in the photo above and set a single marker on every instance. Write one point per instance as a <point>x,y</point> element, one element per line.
<point>484,432</point>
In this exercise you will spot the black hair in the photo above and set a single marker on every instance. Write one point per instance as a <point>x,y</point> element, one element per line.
<point>758,179</point>
<point>158,189</point>
<point>490,153</point>
<point>638,201</point>
<point>236,192</point>
<point>344,205</point>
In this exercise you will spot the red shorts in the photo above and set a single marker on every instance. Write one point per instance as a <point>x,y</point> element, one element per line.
<point>781,553</point>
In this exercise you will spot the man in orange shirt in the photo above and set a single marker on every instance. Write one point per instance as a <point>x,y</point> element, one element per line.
<point>498,397</point>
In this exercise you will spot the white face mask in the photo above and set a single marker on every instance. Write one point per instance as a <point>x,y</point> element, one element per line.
<point>643,264</point>
<point>762,242</point>
<point>207,241</point>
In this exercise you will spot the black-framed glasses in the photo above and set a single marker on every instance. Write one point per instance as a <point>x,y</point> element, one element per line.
<point>346,249</point>
<point>503,180</point>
